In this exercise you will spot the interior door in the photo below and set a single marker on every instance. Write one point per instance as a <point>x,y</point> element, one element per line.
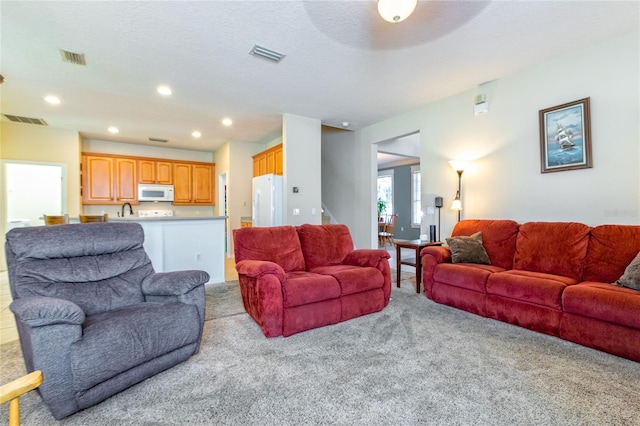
<point>32,190</point>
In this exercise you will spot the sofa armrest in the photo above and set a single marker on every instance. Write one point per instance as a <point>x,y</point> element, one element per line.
<point>432,256</point>
<point>39,311</point>
<point>365,257</point>
<point>258,268</point>
<point>440,254</point>
<point>174,283</point>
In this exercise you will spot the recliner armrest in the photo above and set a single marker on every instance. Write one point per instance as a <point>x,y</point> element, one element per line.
<point>174,283</point>
<point>365,257</point>
<point>257,268</point>
<point>439,253</point>
<point>39,311</point>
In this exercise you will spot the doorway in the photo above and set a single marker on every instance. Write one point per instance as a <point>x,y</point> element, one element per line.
<point>31,190</point>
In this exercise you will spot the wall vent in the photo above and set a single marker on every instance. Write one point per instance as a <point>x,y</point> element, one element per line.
<point>73,58</point>
<point>28,120</point>
<point>158,140</point>
<point>265,53</point>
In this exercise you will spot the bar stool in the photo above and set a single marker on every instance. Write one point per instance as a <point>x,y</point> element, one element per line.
<point>55,220</point>
<point>94,218</point>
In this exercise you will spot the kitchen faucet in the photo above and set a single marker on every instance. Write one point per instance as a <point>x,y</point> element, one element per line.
<point>130,209</point>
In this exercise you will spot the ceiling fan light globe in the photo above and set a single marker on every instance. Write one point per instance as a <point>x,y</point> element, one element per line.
<point>396,10</point>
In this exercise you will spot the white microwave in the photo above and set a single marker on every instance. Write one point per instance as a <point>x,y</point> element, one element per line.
<point>155,192</point>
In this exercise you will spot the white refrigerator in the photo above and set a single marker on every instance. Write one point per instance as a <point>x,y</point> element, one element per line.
<point>267,200</point>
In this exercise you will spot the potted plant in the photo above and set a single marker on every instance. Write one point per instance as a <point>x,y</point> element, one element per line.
<point>381,207</point>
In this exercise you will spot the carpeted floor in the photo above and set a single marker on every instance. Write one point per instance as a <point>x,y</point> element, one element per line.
<point>416,362</point>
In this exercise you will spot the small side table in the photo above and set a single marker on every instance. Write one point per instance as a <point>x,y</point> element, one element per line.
<point>416,245</point>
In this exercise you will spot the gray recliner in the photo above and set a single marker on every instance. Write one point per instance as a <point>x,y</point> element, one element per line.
<point>93,315</point>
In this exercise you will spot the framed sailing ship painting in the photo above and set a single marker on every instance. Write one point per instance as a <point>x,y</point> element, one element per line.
<point>565,137</point>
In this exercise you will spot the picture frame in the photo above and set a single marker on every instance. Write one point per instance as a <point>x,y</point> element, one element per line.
<point>565,137</point>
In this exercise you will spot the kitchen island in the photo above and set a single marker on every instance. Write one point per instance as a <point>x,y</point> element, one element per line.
<point>177,243</point>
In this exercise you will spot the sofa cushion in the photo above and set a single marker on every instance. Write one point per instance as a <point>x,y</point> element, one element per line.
<point>556,248</point>
<point>498,238</point>
<point>277,244</point>
<point>324,245</point>
<point>611,248</point>
<point>531,287</point>
<point>137,333</point>
<point>470,276</point>
<point>468,249</point>
<point>631,276</point>
<point>353,279</point>
<point>604,302</point>
<point>301,288</point>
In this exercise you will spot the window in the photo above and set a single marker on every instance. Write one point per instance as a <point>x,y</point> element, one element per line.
<point>416,207</point>
<point>385,189</point>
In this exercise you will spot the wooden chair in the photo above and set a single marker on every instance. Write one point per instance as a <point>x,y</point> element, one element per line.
<point>12,391</point>
<point>56,220</point>
<point>94,218</point>
<point>389,229</point>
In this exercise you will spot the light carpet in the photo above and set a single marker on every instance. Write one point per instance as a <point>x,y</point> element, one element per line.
<point>414,363</point>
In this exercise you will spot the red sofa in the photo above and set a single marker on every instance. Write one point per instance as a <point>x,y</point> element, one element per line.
<point>551,277</point>
<point>294,279</point>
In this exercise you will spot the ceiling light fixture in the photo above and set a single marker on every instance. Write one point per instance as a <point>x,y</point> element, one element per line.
<point>164,90</point>
<point>113,130</point>
<point>396,10</point>
<point>196,134</point>
<point>227,121</point>
<point>53,100</point>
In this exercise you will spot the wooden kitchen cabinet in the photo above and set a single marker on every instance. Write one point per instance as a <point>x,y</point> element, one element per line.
<point>156,172</point>
<point>109,180</point>
<point>193,183</point>
<point>278,159</point>
<point>268,161</point>
<point>113,179</point>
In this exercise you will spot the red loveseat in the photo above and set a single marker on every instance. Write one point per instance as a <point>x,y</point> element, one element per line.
<point>294,279</point>
<point>551,277</point>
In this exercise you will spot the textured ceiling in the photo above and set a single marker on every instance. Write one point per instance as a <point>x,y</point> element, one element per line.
<point>343,62</point>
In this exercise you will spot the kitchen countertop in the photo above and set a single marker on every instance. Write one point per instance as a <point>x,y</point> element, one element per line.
<point>163,218</point>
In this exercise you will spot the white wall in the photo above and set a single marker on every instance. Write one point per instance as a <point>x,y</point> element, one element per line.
<point>301,143</point>
<point>338,179</point>
<point>153,151</point>
<point>239,177</point>
<point>504,180</point>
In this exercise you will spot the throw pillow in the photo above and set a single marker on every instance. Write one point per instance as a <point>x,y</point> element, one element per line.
<point>468,249</point>
<point>631,276</point>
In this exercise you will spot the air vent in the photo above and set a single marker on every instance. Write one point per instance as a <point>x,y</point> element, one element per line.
<point>158,140</point>
<point>73,58</point>
<point>28,120</point>
<point>269,54</point>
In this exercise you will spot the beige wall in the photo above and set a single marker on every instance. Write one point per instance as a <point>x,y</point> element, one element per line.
<point>40,144</point>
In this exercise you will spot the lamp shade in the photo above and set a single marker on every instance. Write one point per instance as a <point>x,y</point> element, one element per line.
<point>456,204</point>
<point>396,10</point>
<point>459,165</point>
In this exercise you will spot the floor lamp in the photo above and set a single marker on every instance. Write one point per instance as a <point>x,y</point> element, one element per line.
<point>456,204</point>
<point>438,203</point>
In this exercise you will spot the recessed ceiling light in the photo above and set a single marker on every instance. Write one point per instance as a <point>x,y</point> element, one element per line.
<point>164,90</point>
<point>113,129</point>
<point>227,121</point>
<point>196,134</point>
<point>53,100</point>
